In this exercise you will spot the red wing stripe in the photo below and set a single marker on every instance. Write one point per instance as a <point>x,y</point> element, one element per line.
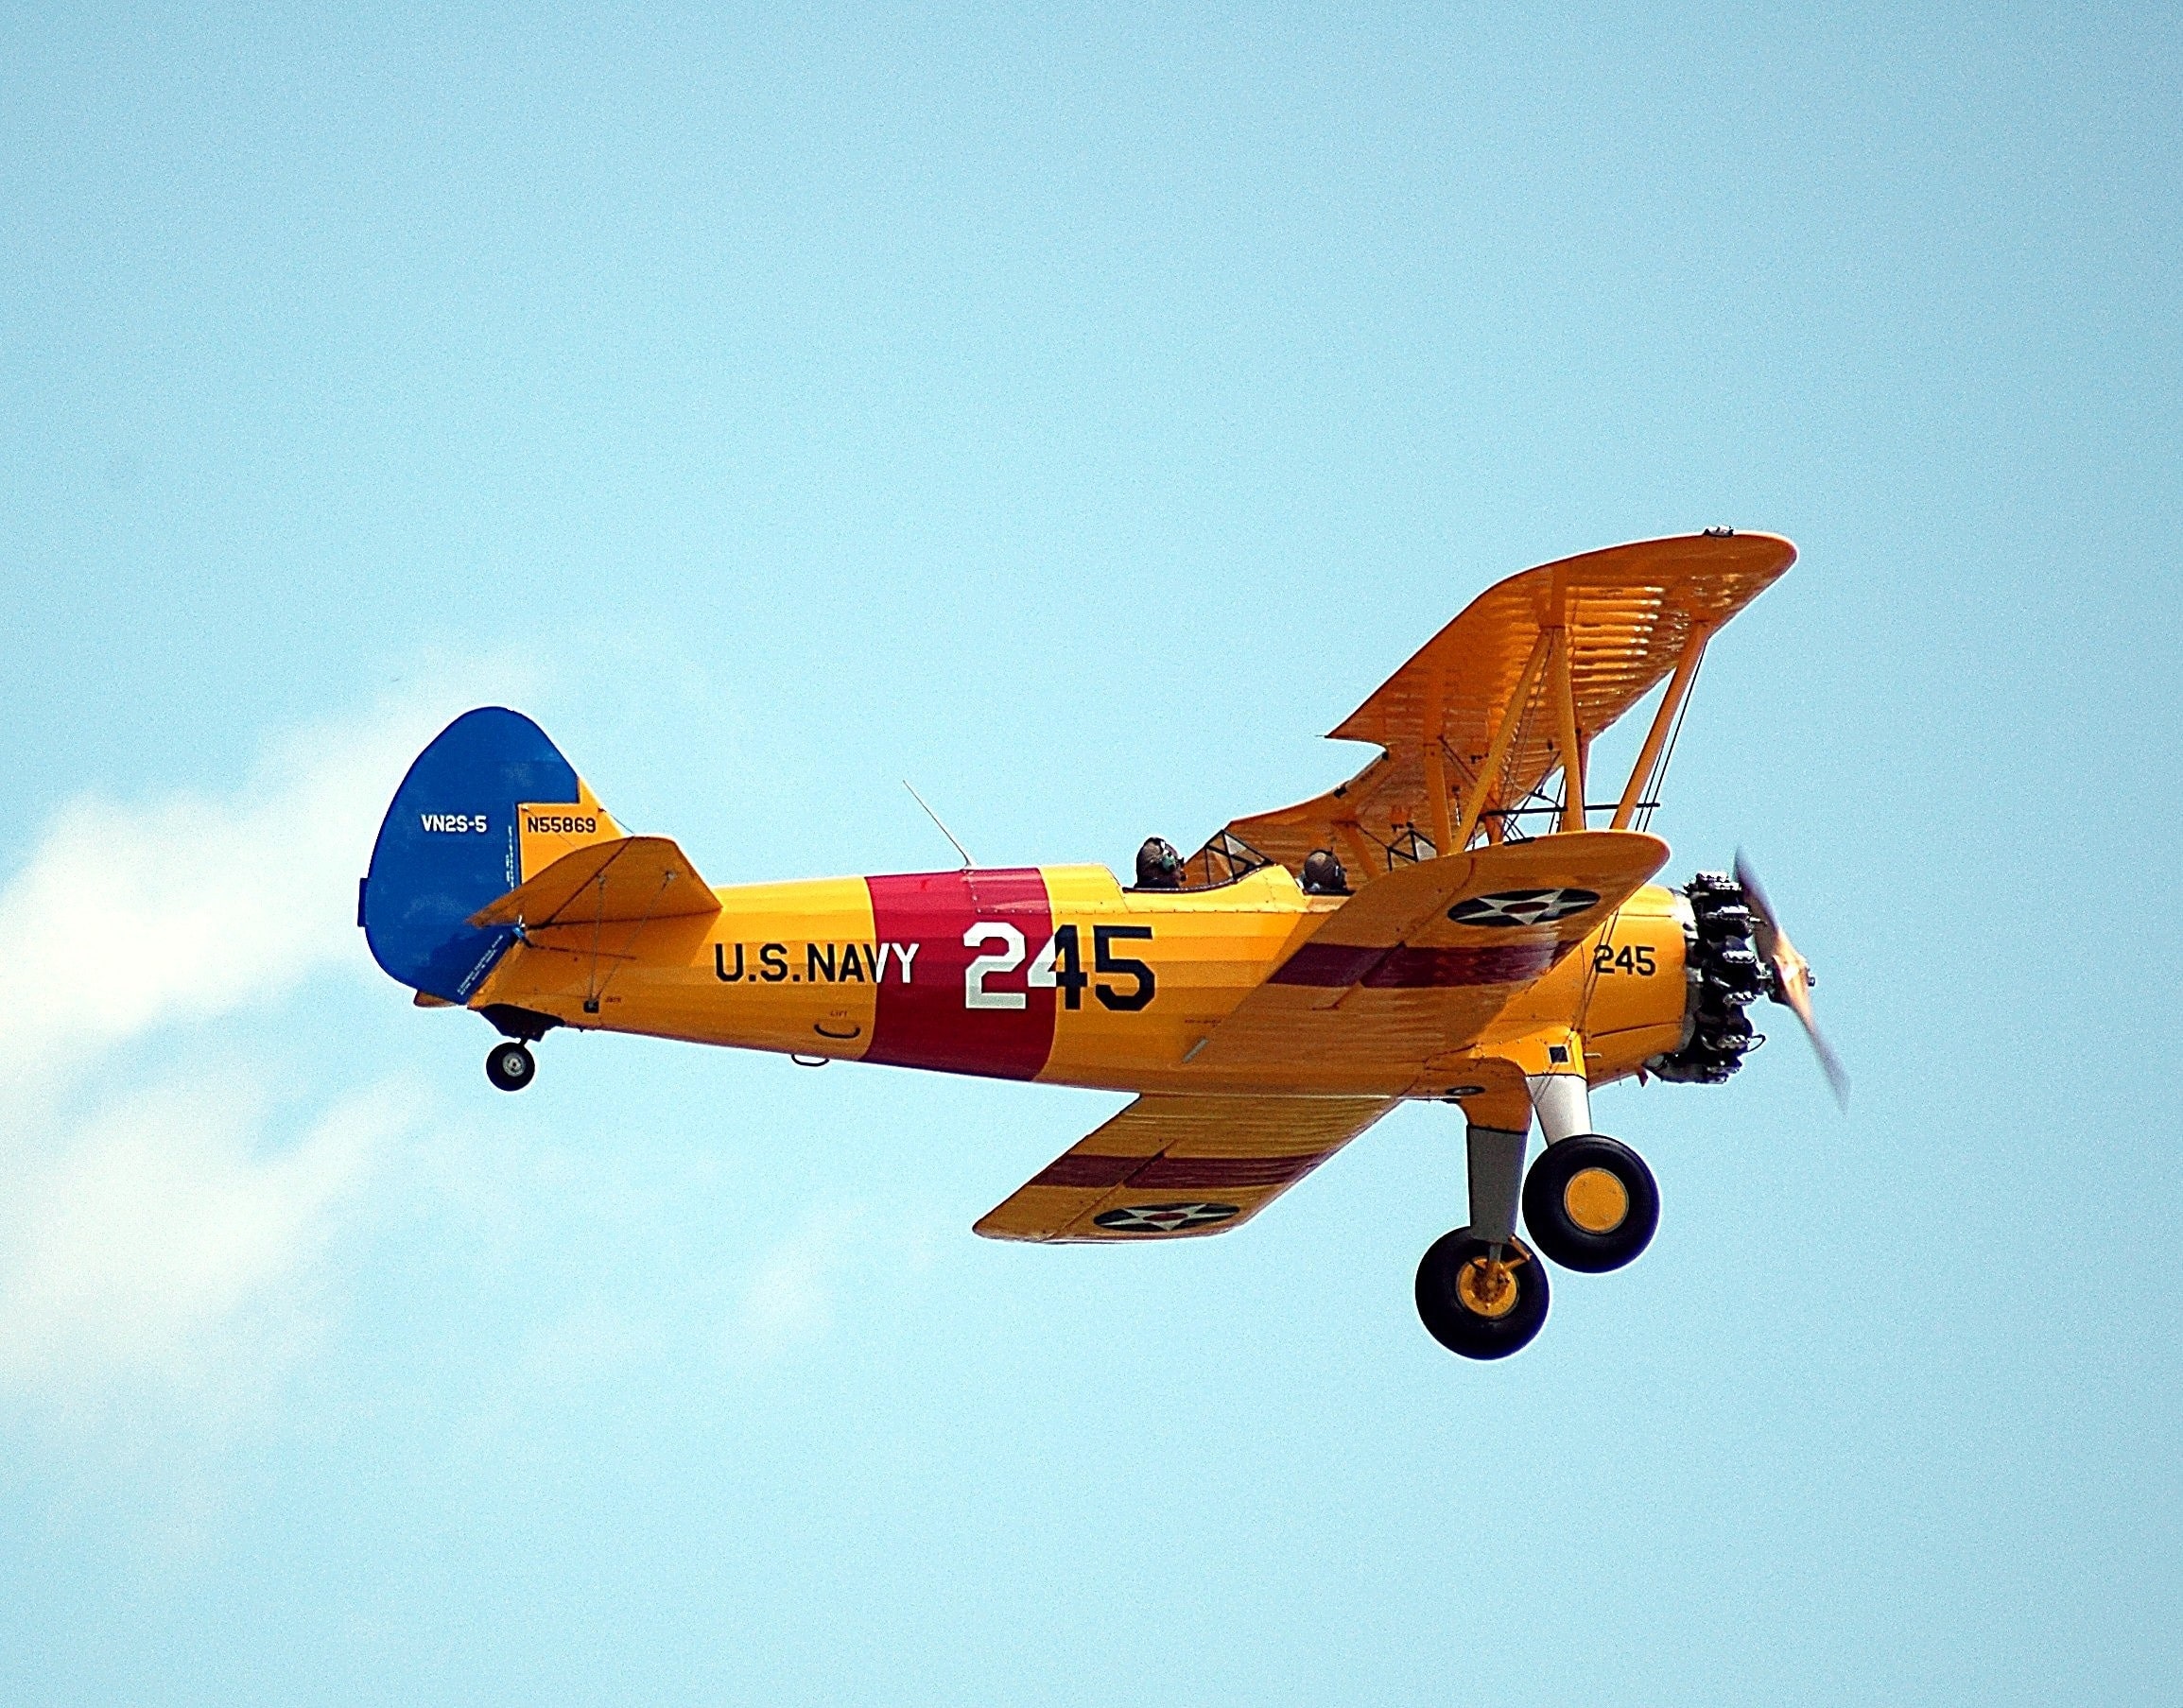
<point>1334,965</point>
<point>1084,1168</point>
<point>1499,964</point>
<point>1176,1173</point>
<point>1340,965</point>
<point>1220,1173</point>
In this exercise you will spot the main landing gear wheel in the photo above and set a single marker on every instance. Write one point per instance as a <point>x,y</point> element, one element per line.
<point>1590,1203</point>
<point>509,1065</point>
<point>1477,1305</point>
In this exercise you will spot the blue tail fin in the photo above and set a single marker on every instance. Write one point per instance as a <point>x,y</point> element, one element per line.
<point>450,845</point>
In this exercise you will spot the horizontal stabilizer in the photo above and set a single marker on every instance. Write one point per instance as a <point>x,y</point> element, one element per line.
<point>627,881</point>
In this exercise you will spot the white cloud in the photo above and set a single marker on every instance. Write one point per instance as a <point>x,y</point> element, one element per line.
<point>163,1233</point>
<point>163,1239</point>
<point>129,916</point>
<point>169,1230</point>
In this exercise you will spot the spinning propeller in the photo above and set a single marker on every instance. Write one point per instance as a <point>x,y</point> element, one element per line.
<point>1792,974</point>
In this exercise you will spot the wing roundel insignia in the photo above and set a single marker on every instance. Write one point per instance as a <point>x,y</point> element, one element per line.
<point>1522,906</point>
<point>1163,1218</point>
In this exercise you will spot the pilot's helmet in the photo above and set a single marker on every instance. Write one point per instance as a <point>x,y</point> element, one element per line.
<point>1323,874</point>
<point>1159,867</point>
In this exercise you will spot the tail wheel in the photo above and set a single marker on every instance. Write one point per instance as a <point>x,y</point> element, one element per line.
<point>1590,1203</point>
<point>1480,1300</point>
<point>511,1066</point>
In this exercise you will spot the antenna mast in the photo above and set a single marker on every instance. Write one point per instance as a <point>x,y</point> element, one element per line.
<point>967,861</point>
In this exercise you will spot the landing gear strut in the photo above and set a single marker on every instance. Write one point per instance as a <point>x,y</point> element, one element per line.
<point>1589,1203</point>
<point>511,1066</point>
<point>1480,1292</point>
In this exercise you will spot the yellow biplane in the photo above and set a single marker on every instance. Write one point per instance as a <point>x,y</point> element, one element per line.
<point>1446,926</point>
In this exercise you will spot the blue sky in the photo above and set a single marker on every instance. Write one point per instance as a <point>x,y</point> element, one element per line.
<point>1075,414</point>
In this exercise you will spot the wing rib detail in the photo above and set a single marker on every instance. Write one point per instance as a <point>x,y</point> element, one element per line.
<point>1493,705</point>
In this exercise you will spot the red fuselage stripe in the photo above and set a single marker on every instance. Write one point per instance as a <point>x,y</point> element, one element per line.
<point>934,1019</point>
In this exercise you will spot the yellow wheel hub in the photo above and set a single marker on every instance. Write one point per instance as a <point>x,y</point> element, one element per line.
<point>1487,1288</point>
<point>1596,1201</point>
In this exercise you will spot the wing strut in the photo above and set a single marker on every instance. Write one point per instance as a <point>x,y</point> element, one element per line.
<point>1663,720</point>
<point>1436,795</point>
<point>1572,741</point>
<point>1497,755</point>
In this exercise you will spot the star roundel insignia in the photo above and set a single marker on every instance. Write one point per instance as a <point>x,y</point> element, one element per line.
<point>1522,906</point>
<point>1163,1218</point>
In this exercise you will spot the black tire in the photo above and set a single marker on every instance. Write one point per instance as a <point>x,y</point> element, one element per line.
<point>509,1065</point>
<point>1578,1234</point>
<point>1447,1317</point>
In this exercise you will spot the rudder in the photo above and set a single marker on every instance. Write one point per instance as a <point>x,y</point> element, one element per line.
<point>452,844</point>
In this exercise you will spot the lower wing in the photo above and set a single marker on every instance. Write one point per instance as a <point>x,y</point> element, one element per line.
<point>1174,1166</point>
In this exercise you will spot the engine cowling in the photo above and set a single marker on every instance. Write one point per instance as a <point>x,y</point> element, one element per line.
<point>1723,977</point>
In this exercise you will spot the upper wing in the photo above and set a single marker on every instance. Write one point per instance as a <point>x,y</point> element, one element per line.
<point>1422,958</point>
<point>1628,614</point>
<point>625,881</point>
<point>1170,1166</point>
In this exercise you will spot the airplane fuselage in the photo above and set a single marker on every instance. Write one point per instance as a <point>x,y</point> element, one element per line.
<point>1055,974</point>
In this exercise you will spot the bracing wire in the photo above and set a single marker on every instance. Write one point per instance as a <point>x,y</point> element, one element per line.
<point>1652,791</point>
